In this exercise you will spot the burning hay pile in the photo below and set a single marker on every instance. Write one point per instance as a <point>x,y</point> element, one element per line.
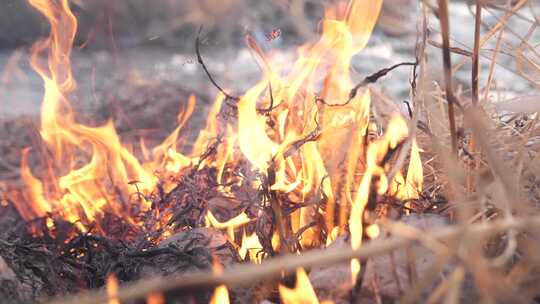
<point>299,190</point>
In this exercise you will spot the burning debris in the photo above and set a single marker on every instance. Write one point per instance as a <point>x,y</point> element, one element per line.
<point>301,164</point>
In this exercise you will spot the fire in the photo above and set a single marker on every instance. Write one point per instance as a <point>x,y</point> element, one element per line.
<point>251,246</point>
<point>85,159</point>
<point>302,293</point>
<point>220,296</point>
<point>373,231</point>
<point>308,146</point>
<point>375,168</point>
<point>415,175</point>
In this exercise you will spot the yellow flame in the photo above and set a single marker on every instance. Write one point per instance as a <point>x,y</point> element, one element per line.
<point>174,161</point>
<point>81,192</point>
<point>302,293</point>
<point>415,174</point>
<point>373,231</point>
<point>396,132</point>
<point>236,221</point>
<point>361,18</point>
<point>344,35</point>
<point>251,245</point>
<point>257,147</point>
<point>220,296</point>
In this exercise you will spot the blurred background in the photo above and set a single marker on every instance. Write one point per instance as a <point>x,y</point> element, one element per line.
<point>134,60</point>
<point>136,40</point>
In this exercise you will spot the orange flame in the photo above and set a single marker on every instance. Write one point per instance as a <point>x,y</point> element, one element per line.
<point>396,132</point>
<point>84,192</point>
<point>299,116</point>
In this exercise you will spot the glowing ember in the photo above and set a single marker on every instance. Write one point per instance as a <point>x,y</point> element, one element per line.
<point>155,298</point>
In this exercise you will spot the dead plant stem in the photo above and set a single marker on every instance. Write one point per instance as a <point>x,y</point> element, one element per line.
<point>474,86</point>
<point>447,62</point>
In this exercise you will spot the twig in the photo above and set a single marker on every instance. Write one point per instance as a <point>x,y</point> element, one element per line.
<point>201,62</point>
<point>409,110</point>
<point>251,273</point>
<point>225,93</point>
<point>282,221</point>
<point>375,76</point>
<point>368,80</point>
<point>476,53</point>
<point>271,106</point>
<point>452,49</point>
<point>296,145</point>
<point>454,288</point>
<point>492,64</point>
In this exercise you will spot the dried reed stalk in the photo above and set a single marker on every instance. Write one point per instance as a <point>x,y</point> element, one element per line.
<point>474,86</point>
<point>447,62</point>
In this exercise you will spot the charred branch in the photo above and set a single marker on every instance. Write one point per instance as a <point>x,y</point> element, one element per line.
<point>373,78</point>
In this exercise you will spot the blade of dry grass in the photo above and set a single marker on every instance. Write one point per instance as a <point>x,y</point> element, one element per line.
<point>492,65</point>
<point>456,279</point>
<point>413,294</point>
